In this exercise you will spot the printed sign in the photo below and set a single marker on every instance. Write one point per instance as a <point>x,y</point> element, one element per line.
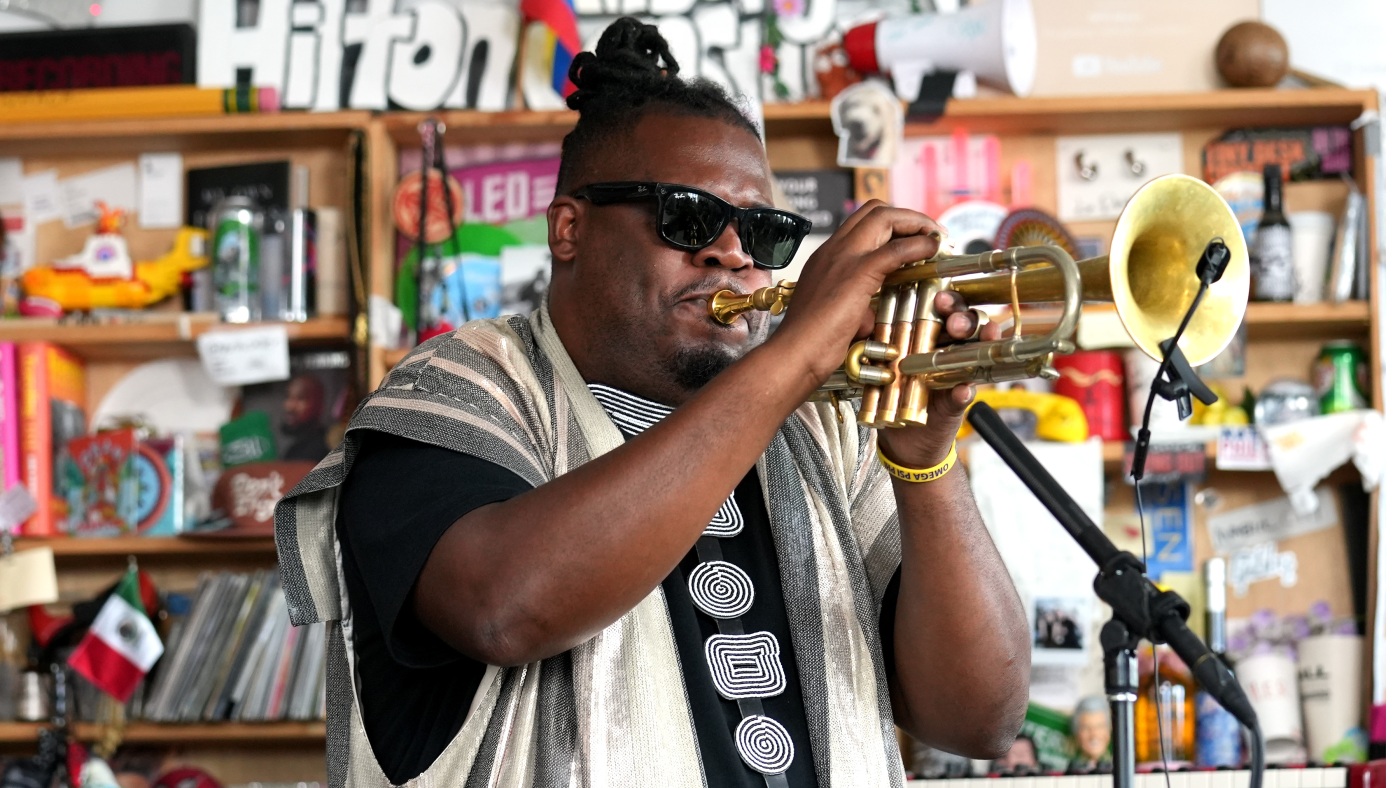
<point>1270,521</point>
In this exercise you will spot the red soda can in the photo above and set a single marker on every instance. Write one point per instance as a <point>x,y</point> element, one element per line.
<point>1094,379</point>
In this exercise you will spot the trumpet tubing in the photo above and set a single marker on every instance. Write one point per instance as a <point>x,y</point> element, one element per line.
<point>1148,275</point>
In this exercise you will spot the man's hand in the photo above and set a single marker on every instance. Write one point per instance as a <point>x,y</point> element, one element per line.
<point>924,447</point>
<point>831,307</point>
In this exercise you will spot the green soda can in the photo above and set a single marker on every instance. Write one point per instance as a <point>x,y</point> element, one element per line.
<point>236,226</point>
<point>1339,375</point>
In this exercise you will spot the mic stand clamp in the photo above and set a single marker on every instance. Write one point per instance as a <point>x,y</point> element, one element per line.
<point>1140,610</point>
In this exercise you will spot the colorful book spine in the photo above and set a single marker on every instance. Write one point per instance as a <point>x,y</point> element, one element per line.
<point>52,392</point>
<point>10,461</point>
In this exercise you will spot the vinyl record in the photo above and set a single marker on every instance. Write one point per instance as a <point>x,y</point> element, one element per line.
<point>1031,227</point>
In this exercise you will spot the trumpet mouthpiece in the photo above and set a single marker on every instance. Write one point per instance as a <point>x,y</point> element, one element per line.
<point>726,305</point>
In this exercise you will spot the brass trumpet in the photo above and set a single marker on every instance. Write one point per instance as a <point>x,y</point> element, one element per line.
<point>1149,275</point>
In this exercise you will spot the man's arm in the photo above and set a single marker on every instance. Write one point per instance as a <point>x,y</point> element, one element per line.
<point>961,640</point>
<point>534,576</point>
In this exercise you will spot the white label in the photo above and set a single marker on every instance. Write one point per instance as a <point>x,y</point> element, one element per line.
<point>11,181</point>
<point>114,186</point>
<point>1270,521</point>
<point>243,356</point>
<point>41,197</point>
<point>161,190</point>
<point>1241,449</point>
<point>1271,263</point>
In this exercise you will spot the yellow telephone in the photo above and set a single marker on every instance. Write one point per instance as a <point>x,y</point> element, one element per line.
<point>1057,417</point>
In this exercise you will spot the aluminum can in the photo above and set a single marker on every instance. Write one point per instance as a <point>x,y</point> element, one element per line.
<point>236,226</point>
<point>1339,375</point>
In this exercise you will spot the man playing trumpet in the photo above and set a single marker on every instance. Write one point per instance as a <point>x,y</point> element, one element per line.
<point>614,544</point>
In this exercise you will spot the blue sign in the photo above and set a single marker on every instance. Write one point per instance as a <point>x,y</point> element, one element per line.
<point>1171,548</point>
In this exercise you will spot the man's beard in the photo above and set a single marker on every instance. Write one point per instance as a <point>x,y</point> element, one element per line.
<point>692,367</point>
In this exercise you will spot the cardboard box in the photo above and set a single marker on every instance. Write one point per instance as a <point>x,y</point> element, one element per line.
<point>1131,46</point>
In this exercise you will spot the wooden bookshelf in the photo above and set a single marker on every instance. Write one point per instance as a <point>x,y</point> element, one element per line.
<point>155,334</point>
<point>176,547</point>
<point>187,134</point>
<point>242,734</point>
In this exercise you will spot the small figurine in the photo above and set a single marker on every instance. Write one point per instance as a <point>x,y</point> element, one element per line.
<point>1022,758</point>
<point>1091,729</point>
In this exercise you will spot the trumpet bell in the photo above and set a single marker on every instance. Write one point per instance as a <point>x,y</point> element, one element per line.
<point>1152,267</point>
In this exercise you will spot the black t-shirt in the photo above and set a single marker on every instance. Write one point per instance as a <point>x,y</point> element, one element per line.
<point>399,499</point>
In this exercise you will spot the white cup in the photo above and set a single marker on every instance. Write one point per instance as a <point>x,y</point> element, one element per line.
<point>1271,681</point>
<point>1329,682</point>
<point>1312,253</point>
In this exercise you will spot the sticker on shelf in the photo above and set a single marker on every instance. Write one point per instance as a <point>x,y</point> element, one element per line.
<point>1241,449</point>
<point>1263,562</point>
<point>1271,521</point>
<point>237,357</point>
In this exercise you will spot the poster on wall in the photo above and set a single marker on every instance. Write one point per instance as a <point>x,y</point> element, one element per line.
<point>496,260</point>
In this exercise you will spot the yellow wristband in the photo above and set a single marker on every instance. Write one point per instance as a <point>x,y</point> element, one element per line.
<point>917,475</point>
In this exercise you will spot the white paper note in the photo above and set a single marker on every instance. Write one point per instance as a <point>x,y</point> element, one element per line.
<point>161,190</point>
<point>41,197</point>
<point>115,186</point>
<point>11,181</point>
<point>237,357</point>
<point>27,577</point>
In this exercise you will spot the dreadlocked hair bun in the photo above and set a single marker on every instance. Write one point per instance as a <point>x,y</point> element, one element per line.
<point>625,63</point>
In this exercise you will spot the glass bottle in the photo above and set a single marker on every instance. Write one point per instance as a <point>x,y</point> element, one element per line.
<point>1271,253</point>
<point>1174,695</point>
<point>1217,730</point>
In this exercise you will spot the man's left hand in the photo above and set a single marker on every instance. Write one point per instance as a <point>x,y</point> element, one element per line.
<point>926,446</point>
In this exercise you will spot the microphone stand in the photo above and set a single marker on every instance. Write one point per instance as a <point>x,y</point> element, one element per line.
<point>1140,608</point>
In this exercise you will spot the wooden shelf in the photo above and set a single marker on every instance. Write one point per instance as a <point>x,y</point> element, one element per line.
<point>155,334</point>
<point>1050,115</point>
<point>202,132</point>
<point>1298,320</point>
<point>1115,451</point>
<point>149,546</point>
<point>241,733</point>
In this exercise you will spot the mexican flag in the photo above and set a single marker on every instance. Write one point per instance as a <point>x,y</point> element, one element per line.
<point>121,645</point>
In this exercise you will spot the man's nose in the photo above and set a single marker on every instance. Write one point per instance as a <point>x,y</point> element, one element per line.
<point>726,251</point>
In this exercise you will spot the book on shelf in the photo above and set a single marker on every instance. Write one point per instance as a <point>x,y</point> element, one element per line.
<point>52,390</point>
<point>11,462</point>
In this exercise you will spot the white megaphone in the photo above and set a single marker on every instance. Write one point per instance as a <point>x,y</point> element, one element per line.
<point>994,39</point>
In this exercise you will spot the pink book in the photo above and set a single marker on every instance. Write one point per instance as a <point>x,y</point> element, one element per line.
<point>10,462</point>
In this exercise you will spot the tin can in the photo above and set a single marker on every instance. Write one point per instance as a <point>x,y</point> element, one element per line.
<point>1094,379</point>
<point>1339,375</point>
<point>235,231</point>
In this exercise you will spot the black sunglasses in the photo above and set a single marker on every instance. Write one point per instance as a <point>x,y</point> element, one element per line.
<point>691,219</point>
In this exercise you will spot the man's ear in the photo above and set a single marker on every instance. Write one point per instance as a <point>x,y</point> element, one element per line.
<point>563,215</point>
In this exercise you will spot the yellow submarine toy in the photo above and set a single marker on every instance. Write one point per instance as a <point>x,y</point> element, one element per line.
<point>102,275</point>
